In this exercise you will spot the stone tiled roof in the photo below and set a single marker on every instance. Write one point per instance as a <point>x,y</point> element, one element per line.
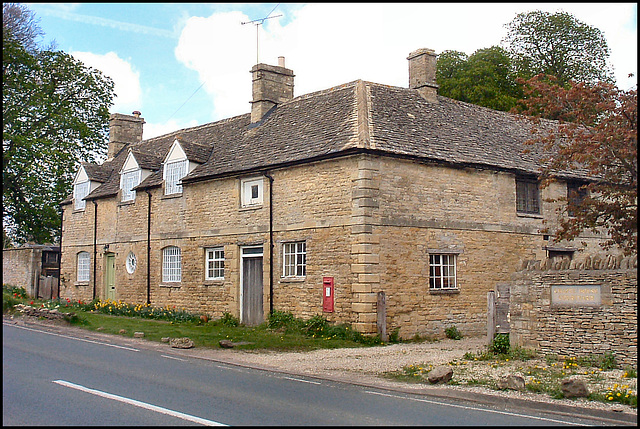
<point>357,116</point>
<point>97,173</point>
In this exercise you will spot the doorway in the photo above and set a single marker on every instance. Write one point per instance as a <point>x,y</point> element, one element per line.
<point>251,290</point>
<point>110,276</point>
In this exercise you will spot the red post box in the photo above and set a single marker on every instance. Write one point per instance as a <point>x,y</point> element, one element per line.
<point>327,294</point>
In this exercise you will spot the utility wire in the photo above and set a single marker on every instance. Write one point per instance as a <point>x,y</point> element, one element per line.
<point>201,85</point>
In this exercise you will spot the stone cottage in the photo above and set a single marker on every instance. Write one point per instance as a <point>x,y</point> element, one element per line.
<point>313,204</point>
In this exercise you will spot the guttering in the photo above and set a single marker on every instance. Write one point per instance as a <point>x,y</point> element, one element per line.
<point>268,176</point>
<point>60,254</point>
<point>149,249</point>
<point>95,245</point>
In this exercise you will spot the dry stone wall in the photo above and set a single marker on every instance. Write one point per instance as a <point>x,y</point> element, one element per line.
<point>584,307</point>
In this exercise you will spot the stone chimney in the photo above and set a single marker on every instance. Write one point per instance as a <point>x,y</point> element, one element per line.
<point>422,73</point>
<point>272,85</point>
<point>123,130</point>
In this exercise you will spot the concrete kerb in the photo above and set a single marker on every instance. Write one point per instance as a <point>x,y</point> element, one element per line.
<point>498,402</point>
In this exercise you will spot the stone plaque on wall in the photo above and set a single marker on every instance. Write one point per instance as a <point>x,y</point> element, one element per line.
<point>575,296</point>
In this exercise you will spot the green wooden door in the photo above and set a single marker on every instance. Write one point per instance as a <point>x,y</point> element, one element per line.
<point>110,276</point>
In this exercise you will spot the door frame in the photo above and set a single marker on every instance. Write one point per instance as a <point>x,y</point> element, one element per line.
<point>252,253</point>
<point>108,256</point>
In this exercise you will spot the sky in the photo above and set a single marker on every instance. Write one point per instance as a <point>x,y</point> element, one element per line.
<point>188,64</point>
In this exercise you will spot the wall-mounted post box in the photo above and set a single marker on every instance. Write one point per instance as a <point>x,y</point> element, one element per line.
<point>327,294</point>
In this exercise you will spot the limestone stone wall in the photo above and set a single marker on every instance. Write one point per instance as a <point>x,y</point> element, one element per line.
<point>542,322</point>
<point>311,203</point>
<point>369,222</point>
<point>21,267</point>
<point>426,208</point>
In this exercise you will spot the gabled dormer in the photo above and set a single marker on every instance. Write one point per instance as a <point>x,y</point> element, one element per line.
<point>131,175</point>
<point>82,186</point>
<point>175,166</point>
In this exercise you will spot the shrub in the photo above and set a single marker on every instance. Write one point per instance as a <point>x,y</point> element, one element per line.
<point>453,333</point>
<point>281,319</point>
<point>228,319</point>
<point>316,326</point>
<point>500,344</point>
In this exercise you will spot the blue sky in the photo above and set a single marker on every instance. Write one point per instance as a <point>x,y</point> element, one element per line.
<point>187,64</point>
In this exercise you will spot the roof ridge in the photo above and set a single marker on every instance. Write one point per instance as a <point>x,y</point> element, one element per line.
<point>195,128</point>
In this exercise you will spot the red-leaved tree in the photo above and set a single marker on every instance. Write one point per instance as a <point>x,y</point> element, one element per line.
<point>597,134</point>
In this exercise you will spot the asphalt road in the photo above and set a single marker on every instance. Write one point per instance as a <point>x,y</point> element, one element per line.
<point>54,379</point>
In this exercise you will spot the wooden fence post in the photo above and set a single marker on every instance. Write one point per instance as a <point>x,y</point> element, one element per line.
<point>382,316</point>
<point>491,316</point>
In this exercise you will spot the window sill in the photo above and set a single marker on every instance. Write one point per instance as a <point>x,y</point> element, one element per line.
<point>444,291</point>
<point>292,279</point>
<point>78,210</point>
<point>81,284</point>
<point>251,207</point>
<point>530,215</point>
<point>126,203</point>
<point>217,282</point>
<point>171,285</point>
<point>170,196</point>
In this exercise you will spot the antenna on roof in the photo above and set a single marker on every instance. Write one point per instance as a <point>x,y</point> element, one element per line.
<point>257,23</point>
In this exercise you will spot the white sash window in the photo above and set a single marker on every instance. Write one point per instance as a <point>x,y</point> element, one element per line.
<point>171,264</point>
<point>80,190</point>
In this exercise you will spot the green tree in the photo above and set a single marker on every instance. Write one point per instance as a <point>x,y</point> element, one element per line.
<point>598,134</point>
<point>485,78</point>
<point>557,45</point>
<point>55,114</point>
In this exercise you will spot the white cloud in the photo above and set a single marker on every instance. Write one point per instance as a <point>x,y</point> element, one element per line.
<point>330,44</point>
<point>126,79</point>
<point>219,49</point>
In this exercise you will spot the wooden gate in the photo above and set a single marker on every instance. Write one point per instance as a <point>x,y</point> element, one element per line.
<point>48,287</point>
<point>498,311</point>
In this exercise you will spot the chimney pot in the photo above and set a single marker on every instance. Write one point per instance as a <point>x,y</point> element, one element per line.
<point>280,61</point>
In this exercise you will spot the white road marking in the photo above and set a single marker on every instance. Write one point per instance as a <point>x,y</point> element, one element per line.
<point>302,381</point>
<point>74,338</point>
<point>139,404</point>
<point>171,357</point>
<point>472,408</point>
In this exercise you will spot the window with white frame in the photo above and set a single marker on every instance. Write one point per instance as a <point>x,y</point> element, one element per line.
<point>294,257</point>
<point>174,172</point>
<point>171,264</point>
<point>214,261</point>
<point>80,190</point>
<point>128,181</point>
<point>251,192</point>
<point>442,271</point>
<point>84,262</point>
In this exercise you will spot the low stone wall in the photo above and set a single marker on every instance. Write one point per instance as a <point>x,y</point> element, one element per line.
<point>577,308</point>
<point>21,268</point>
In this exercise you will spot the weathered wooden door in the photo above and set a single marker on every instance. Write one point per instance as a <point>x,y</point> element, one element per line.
<point>110,276</point>
<point>251,311</point>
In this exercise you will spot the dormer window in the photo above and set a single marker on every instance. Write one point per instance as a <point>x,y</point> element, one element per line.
<point>176,166</point>
<point>80,191</point>
<point>130,177</point>
<point>128,181</point>
<point>173,173</point>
